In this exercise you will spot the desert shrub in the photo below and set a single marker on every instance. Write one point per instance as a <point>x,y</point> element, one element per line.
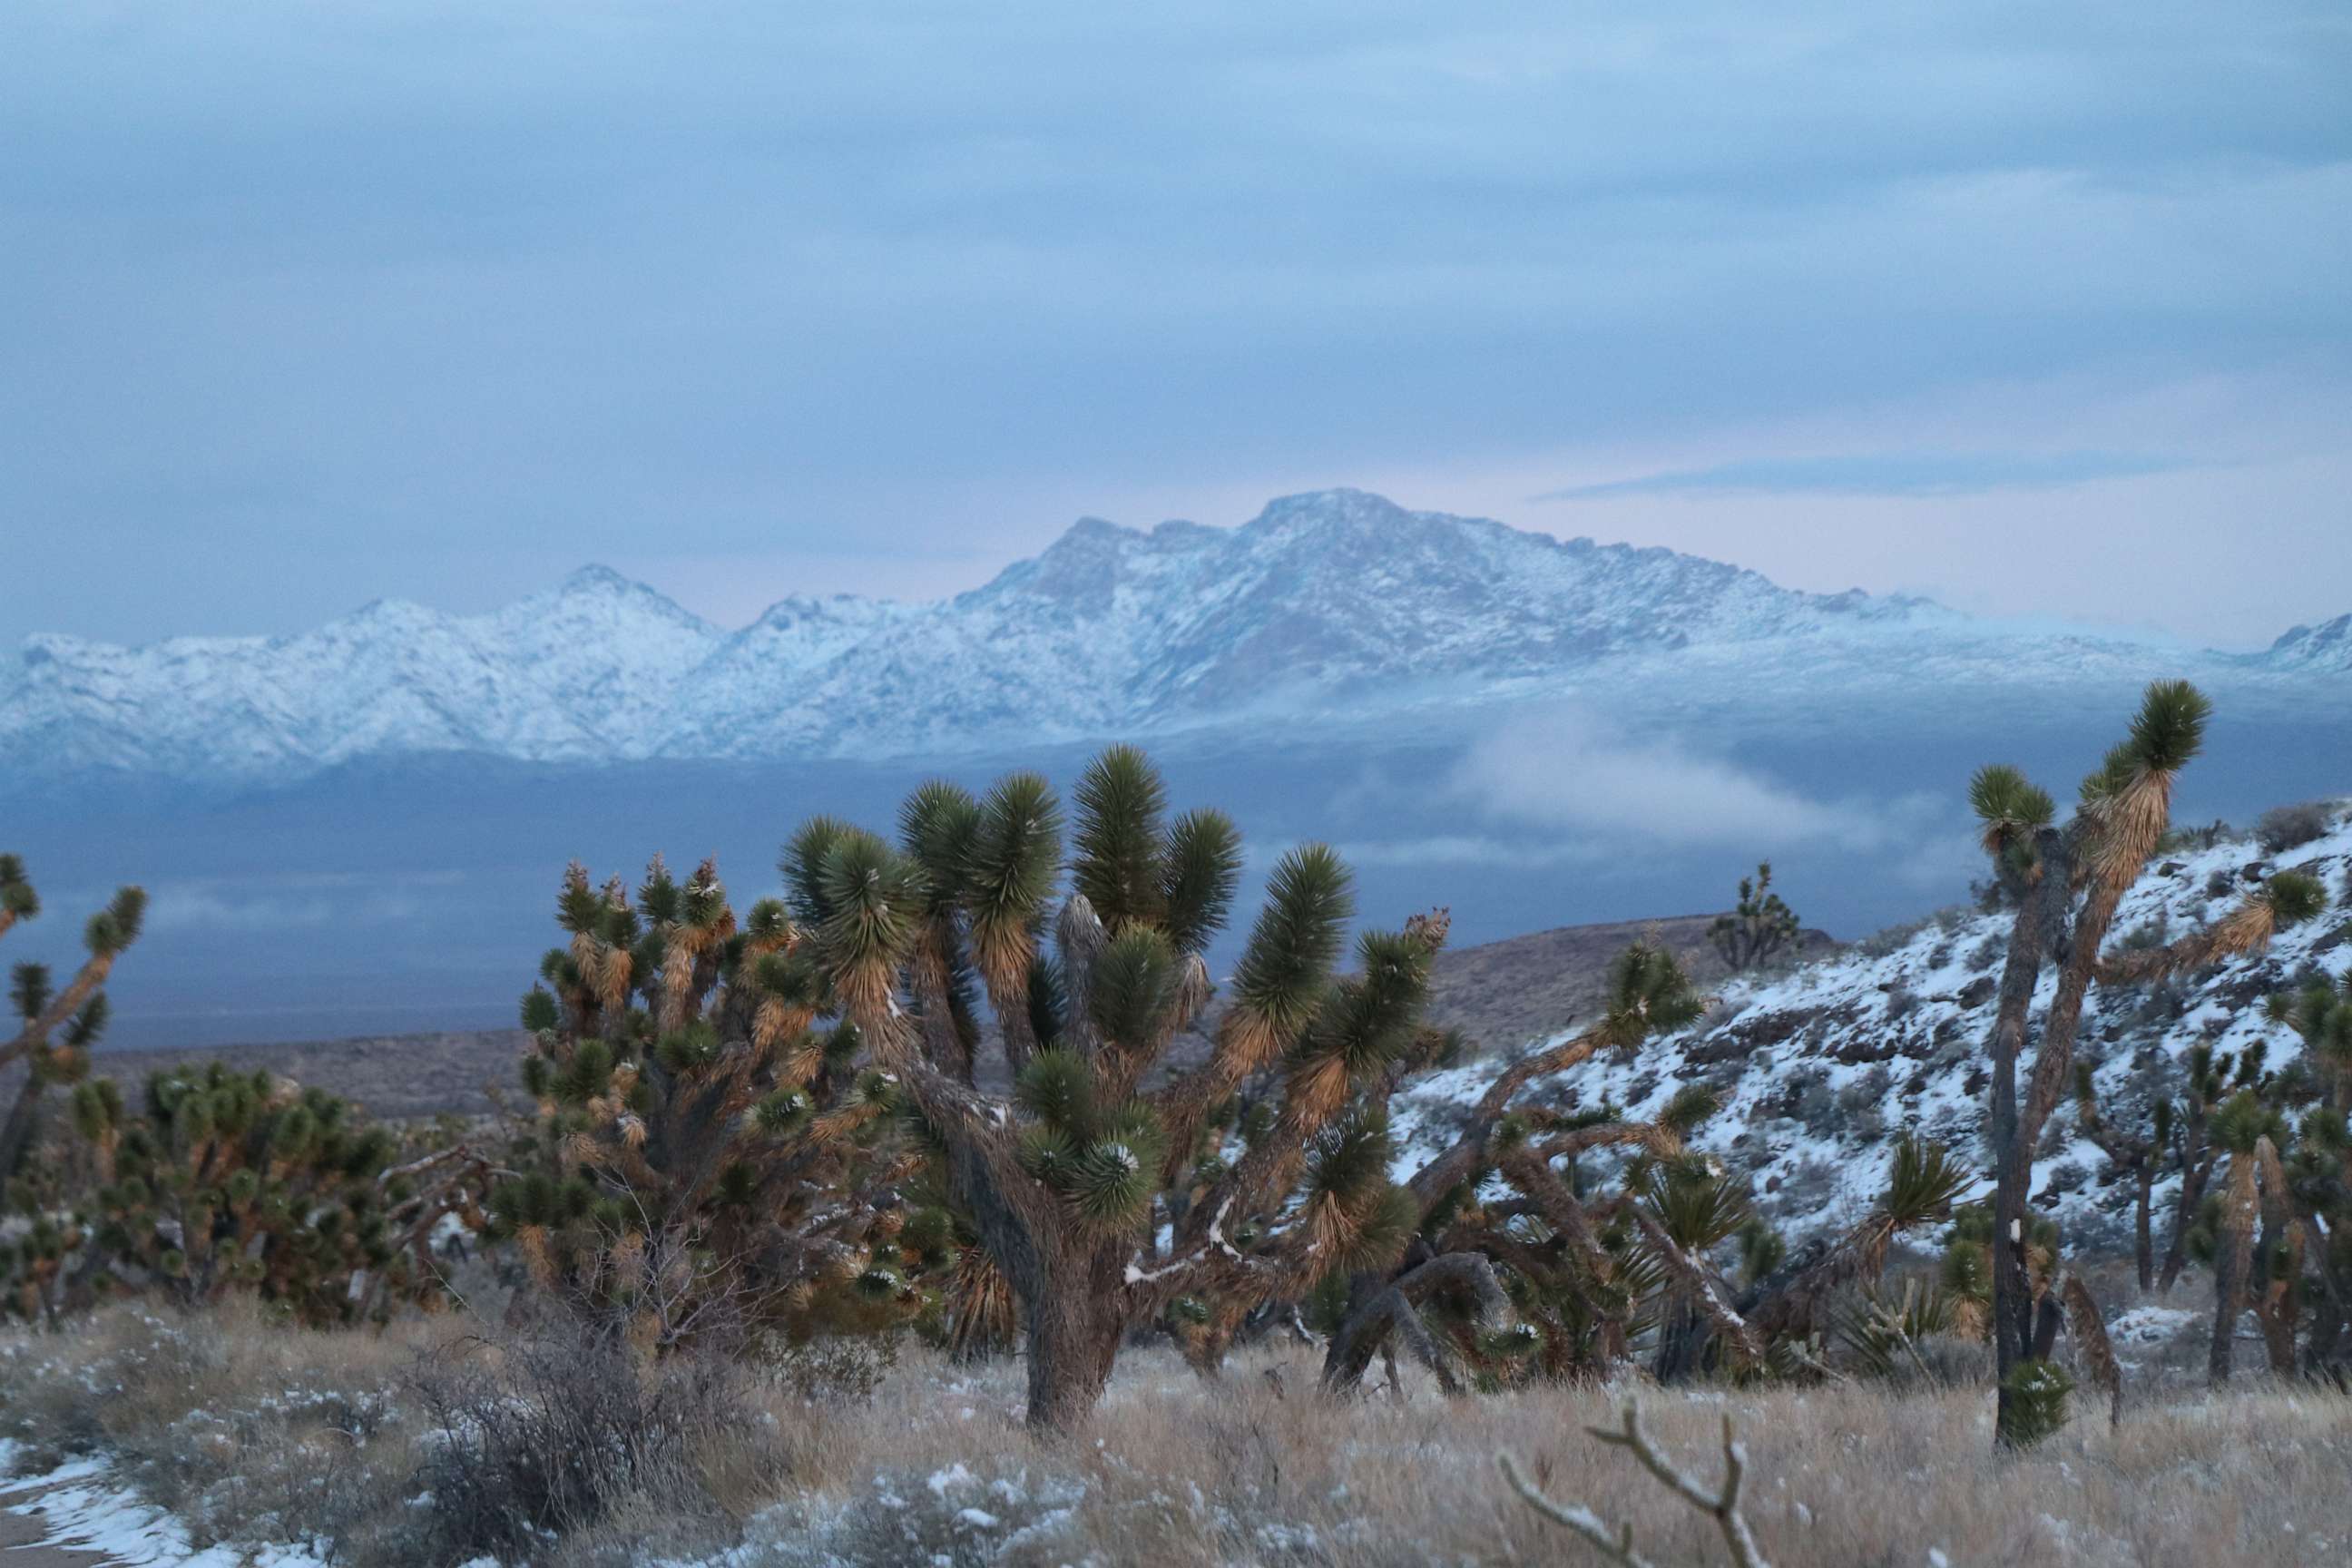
<point>1861,1104</point>
<point>1812,1103</point>
<point>2284,827</point>
<point>560,1433</point>
<point>831,1369</point>
<point>948,1516</point>
<point>1891,940</point>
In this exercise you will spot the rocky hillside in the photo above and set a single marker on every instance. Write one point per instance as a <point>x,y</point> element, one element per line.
<point>1501,994</point>
<point>1820,1068</point>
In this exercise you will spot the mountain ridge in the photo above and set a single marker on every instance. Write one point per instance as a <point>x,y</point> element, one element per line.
<point>1328,607</point>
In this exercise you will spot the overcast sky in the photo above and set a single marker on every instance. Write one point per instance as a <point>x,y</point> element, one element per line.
<point>2037,307</point>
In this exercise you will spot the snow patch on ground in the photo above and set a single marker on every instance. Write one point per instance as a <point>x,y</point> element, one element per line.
<point>80,1506</point>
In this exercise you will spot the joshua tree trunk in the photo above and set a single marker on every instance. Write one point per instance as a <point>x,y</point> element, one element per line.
<point>2233,1259</point>
<point>2229,1306</point>
<point>1073,1338</point>
<point>2143,1237</point>
<point>2040,921</point>
<point>16,1135</point>
<point>1385,1307</point>
<point>1681,1339</point>
<point>2196,1171</point>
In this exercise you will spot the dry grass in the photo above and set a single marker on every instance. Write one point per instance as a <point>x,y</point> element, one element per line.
<point>253,1432</point>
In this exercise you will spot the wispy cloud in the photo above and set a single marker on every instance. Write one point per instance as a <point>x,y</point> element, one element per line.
<point>1570,771</point>
<point>1885,474</point>
<point>297,900</point>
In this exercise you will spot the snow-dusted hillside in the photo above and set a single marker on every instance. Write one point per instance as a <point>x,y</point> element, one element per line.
<point>1332,607</point>
<point>2324,648</point>
<point>1819,1070</point>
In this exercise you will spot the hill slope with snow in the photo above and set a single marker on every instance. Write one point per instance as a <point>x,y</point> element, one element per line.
<point>1821,1070</point>
<point>1329,609</point>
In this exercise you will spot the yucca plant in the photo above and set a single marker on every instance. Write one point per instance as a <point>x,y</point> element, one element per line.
<point>1924,1181</point>
<point>55,1027</point>
<point>1882,1333</point>
<point>2033,1405</point>
<point>2315,1205</point>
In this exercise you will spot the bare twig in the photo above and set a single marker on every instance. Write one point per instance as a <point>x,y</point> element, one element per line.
<point>1722,1506</point>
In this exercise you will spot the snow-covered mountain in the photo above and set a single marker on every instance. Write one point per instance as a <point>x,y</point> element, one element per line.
<point>2324,649</point>
<point>1821,1070</point>
<point>1332,607</point>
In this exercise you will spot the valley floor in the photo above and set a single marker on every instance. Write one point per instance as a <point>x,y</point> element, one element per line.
<point>250,1443</point>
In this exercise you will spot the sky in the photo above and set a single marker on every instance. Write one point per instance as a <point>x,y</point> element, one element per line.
<point>2039,309</point>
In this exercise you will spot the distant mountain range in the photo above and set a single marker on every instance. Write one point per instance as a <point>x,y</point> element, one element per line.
<point>1329,609</point>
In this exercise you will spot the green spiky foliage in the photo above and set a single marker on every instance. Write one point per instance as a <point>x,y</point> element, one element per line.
<point>221,1182</point>
<point>1760,926</point>
<point>1257,1164</point>
<point>52,1028</point>
<point>2034,1405</point>
<point>1791,1306</point>
<point>712,1160</point>
<point>2010,810</point>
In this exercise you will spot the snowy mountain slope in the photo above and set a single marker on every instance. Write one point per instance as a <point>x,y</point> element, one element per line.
<point>1819,1070</point>
<point>2324,647</point>
<point>1332,606</point>
<point>577,672</point>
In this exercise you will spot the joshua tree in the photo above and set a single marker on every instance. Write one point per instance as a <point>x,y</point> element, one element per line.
<point>2248,1131</point>
<point>707,1167</point>
<point>2207,1084</point>
<point>2077,877</point>
<point>2137,1152</point>
<point>1759,926</point>
<point>1585,1268</point>
<point>1058,1184</point>
<point>2275,1232</point>
<point>42,1011</point>
<point>1788,1305</point>
<point>1571,1294</point>
<point>2321,1014</point>
<point>225,1181</point>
